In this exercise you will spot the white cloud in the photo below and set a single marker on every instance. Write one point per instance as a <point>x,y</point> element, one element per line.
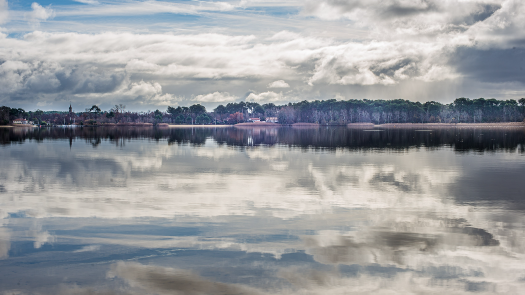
<point>268,96</point>
<point>40,13</point>
<point>278,84</point>
<point>99,63</point>
<point>442,23</point>
<point>285,35</point>
<point>503,29</point>
<point>379,63</point>
<point>215,97</point>
<point>224,6</point>
<point>39,236</point>
<point>142,89</point>
<point>141,66</point>
<point>90,248</point>
<point>241,58</point>
<point>147,92</point>
<point>92,2</point>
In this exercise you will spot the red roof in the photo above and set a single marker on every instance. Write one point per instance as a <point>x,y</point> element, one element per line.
<point>20,119</point>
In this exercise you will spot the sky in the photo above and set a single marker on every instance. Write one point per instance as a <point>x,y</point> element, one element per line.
<point>153,54</point>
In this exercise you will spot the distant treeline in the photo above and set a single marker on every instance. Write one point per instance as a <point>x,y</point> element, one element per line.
<point>462,110</point>
<point>329,112</point>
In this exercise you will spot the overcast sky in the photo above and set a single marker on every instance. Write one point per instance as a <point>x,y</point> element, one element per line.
<point>151,54</point>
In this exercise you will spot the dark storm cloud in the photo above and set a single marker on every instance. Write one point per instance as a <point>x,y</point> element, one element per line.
<point>79,80</point>
<point>41,77</point>
<point>385,9</point>
<point>398,10</point>
<point>491,65</point>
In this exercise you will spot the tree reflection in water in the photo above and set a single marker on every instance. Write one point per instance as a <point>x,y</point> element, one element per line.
<point>325,138</point>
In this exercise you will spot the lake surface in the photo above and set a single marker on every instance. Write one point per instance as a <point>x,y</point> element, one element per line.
<point>329,210</point>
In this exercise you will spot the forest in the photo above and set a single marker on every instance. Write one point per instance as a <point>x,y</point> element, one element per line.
<point>325,112</point>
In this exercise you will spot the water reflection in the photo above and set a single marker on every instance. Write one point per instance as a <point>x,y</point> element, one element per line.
<point>261,211</point>
<point>461,139</point>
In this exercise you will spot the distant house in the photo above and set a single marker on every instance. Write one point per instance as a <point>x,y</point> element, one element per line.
<point>255,119</point>
<point>20,121</point>
<point>272,120</point>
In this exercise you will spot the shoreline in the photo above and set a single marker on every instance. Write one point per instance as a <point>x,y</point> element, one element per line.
<point>449,125</point>
<point>18,125</point>
<point>197,126</point>
<point>309,125</point>
<point>258,124</point>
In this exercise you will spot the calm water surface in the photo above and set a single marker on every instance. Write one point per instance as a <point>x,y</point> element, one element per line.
<point>262,211</point>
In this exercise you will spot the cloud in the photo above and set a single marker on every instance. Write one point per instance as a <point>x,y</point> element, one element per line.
<point>51,77</point>
<point>163,280</point>
<point>502,30</point>
<point>224,6</point>
<point>101,63</point>
<point>268,96</point>
<point>215,97</point>
<point>406,16</point>
<point>393,247</point>
<point>40,13</point>
<point>383,63</point>
<point>130,8</point>
<point>173,281</point>
<point>147,92</point>
<point>4,11</point>
<point>278,84</point>
<point>285,35</point>
<point>90,248</point>
<point>5,242</point>
<point>92,2</point>
<point>417,44</point>
<point>335,9</point>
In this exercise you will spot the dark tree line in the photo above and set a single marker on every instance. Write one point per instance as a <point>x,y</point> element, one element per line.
<point>462,110</point>
<point>195,114</point>
<point>91,116</point>
<point>330,112</point>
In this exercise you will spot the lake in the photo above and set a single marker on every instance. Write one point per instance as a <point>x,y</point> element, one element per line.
<point>328,210</point>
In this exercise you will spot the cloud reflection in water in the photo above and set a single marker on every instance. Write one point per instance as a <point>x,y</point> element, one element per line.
<point>396,217</point>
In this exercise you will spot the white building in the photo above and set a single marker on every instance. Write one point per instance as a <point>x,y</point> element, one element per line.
<point>19,121</point>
